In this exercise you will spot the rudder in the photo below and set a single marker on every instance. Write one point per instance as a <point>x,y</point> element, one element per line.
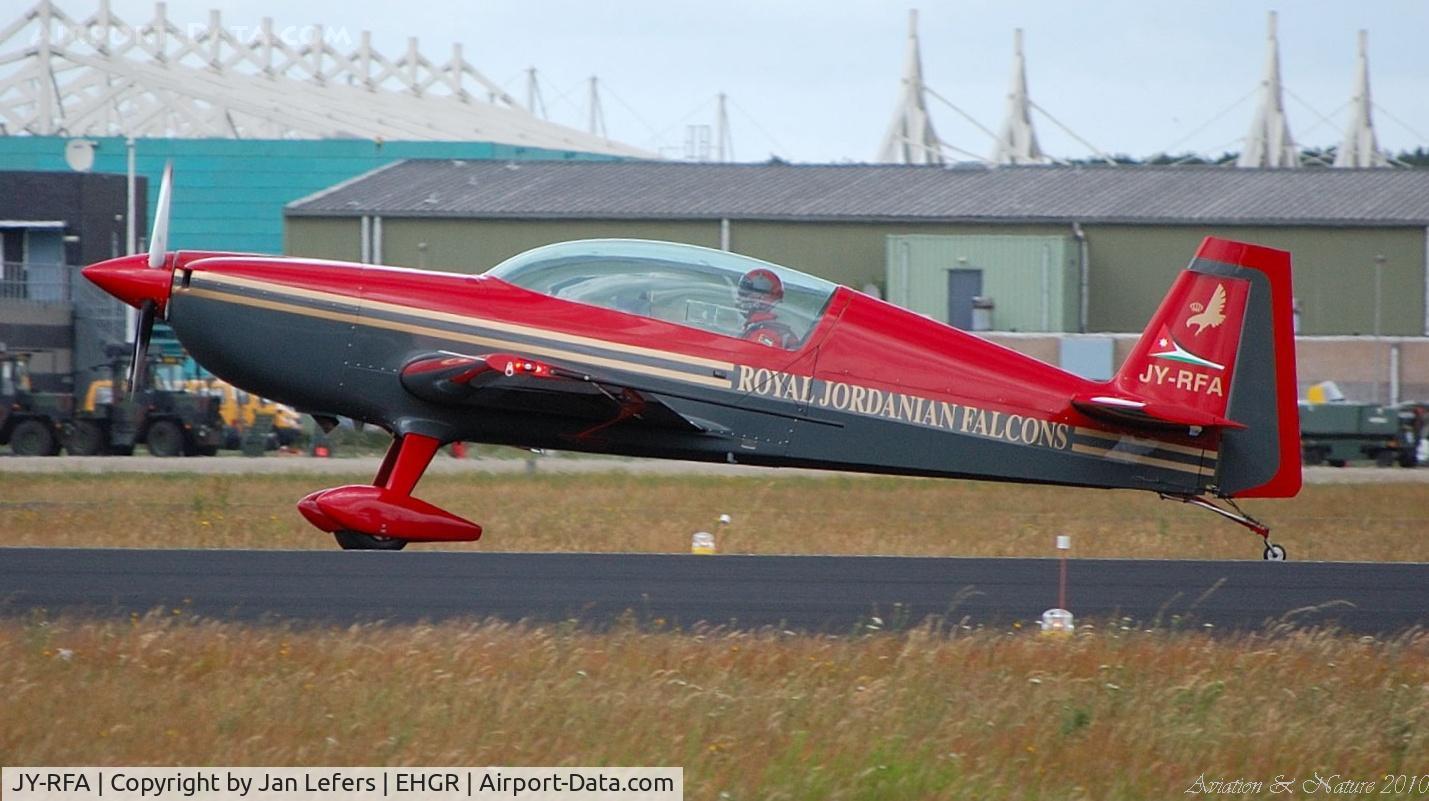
<point>1222,343</point>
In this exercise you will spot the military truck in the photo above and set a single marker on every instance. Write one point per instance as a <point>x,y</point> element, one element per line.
<point>104,424</point>
<point>1338,433</point>
<point>169,420</point>
<point>162,415</point>
<point>30,422</point>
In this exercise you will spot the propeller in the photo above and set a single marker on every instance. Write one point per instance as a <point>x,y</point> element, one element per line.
<point>139,363</point>
<point>160,235</point>
<point>158,239</point>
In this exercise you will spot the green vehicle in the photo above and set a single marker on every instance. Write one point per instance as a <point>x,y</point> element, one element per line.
<point>105,424</point>
<point>1339,433</point>
<point>166,418</point>
<point>30,422</point>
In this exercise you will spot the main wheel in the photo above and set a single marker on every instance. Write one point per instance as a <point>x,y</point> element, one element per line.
<point>33,438</point>
<point>1274,553</point>
<point>165,438</point>
<point>86,438</point>
<point>355,541</point>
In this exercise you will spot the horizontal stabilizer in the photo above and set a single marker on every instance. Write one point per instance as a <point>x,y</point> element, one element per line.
<point>1128,411</point>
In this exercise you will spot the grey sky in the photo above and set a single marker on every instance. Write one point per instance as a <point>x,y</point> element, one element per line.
<point>816,81</point>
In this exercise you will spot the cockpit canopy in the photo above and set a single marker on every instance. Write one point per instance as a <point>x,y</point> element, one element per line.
<point>683,284</point>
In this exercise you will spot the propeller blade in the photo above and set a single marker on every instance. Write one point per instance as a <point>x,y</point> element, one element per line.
<point>158,238</point>
<point>138,368</point>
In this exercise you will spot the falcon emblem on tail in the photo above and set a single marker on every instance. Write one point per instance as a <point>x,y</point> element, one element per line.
<point>1212,315</point>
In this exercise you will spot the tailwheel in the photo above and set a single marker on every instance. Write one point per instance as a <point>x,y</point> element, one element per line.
<point>1273,552</point>
<point>357,541</point>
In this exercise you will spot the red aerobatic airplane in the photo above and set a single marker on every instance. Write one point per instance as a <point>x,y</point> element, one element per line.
<point>679,352</point>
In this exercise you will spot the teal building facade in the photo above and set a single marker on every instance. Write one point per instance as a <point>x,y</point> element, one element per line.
<point>229,193</point>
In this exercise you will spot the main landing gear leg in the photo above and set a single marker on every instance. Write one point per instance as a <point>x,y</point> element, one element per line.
<point>412,454</point>
<point>1273,552</point>
<point>384,516</point>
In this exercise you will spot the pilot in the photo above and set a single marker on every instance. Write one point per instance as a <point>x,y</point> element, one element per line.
<point>759,290</point>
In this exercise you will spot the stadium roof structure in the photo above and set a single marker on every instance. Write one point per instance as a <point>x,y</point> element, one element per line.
<point>1017,139</point>
<point>102,76</point>
<point>1360,148</point>
<point>1191,195</point>
<point>911,138</point>
<point>1269,143</point>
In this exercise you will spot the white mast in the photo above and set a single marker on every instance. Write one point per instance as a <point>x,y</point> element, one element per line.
<point>1269,143</point>
<point>724,143</point>
<point>910,139</point>
<point>597,113</point>
<point>535,103</point>
<point>1359,147</point>
<point>1017,141</point>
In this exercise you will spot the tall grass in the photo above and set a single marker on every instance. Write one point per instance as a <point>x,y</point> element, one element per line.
<point>928,713</point>
<point>619,512</point>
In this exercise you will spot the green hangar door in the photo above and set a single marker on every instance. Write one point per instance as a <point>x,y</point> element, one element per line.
<point>987,282</point>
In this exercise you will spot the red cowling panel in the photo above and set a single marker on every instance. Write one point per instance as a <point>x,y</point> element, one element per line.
<point>130,279</point>
<point>383,513</point>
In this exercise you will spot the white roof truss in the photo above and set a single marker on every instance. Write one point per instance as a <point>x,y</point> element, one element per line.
<point>102,76</point>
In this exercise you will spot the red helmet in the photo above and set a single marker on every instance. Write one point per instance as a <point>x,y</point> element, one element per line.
<point>760,287</point>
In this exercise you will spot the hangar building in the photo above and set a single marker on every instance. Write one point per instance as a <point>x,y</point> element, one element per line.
<point>1053,248</point>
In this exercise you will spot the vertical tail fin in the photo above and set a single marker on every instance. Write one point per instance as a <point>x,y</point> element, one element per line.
<point>1187,356</point>
<point>1222,344</point>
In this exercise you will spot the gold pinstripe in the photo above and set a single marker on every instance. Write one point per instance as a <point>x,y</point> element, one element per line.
<point>1133,458</point>
<point>511,328</point>
<point>242,300</point>
<point>1155,443</point>
<point>437,333</point>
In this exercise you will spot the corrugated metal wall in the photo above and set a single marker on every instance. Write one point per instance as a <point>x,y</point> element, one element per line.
<point>1130,266</point>
<point>1032,280</point>
<point>1133,265</point>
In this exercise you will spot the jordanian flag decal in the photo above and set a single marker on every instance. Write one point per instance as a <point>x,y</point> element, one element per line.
<point>1170,350</point>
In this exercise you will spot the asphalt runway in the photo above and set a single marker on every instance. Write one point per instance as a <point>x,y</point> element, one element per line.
<point>836,594</point>
<point>552,464</point>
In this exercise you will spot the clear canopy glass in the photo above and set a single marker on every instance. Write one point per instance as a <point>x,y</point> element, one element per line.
<point>683,284</point>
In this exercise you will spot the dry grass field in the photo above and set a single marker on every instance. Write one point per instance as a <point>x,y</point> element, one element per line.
<point>621,512</point>
<point>929,713</point>
<point>924,714</point>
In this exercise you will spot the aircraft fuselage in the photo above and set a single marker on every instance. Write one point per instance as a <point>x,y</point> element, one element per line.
<point>872,388</point>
